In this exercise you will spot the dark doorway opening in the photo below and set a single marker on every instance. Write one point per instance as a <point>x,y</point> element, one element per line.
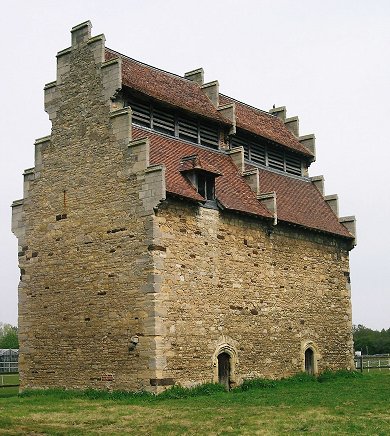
<point>224,370</point>
<point>309,361</point>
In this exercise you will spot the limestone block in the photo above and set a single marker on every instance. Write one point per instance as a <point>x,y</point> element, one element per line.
<point>252,178</point>
<point>349,222</point>
<point>97,46</point>
<point>139,151</point>
<point>268,199</point>
<point>112,77</point>
<point>28,177</point>
<point>279,112</point>
<point>318,182</point>
<point>81,33</point>
<point>196,76</point>
<point>309,142</point>
<point>292,124</point>
<point>63,64</point>
<point>237,155</point>
<point>211,89</point>
<point>333,202</point>
<point>121,125</point>
<point>51,100</point>
<point>229,111</point>
<point>39,144</point>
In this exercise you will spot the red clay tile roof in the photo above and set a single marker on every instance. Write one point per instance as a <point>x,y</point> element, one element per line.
<point>185,94</point>
<point>166,87</point>
<point>264,124</point>
<point>231,189</point>
<point>298,201</point>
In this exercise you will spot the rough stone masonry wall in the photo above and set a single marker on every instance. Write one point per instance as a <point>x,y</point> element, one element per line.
<point>85,303</point>
<point>230,286</point>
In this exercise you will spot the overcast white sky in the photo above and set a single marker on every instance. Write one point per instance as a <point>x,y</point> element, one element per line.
<point>327,61</point>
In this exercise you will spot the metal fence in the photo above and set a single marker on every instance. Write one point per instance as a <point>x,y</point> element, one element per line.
<point>373,362</point>
<point>9,360</point>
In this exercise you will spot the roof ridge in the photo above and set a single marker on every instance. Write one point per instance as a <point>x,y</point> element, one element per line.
<point>249,105</point>
<point>150,66</point>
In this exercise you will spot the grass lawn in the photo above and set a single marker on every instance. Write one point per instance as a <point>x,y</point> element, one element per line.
<point>337,405</point>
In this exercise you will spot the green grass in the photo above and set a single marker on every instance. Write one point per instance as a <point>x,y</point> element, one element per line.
<point>339,404</point>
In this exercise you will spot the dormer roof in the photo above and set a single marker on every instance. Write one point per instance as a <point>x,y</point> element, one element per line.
<point>195,163</point>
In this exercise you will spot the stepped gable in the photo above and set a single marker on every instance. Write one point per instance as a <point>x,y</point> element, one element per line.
<point>231,189</point>
<point>166,87</point>
<point>266,125</point>
<point>300,202</point>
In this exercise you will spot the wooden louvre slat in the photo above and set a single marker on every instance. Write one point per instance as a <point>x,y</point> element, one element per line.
<point>163,122</point>
<point>188,130</point>
<point>257,153</point>
<point>276,159</point>
<point>208,135</point>
<point>293,165</point>
<point>141,113</point>
<point>168,121</point>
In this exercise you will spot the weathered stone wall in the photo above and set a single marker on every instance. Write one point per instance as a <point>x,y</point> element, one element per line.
<point>230,284</point>
<point>85,309</point>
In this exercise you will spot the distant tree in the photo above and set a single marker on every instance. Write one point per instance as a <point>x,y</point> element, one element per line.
<point>371,341</point>
<point>8,336</point>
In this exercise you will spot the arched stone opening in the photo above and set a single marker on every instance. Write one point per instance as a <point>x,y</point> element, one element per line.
<point>309,361</point>
<point>310,358</point>
<point>224,364</point>
<point>224,370</point>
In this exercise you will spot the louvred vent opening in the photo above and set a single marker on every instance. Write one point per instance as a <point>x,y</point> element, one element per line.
<point>258,152</point>
<point>188,130</point>
<point>141,113</point>
<point>163,122</point>
<point>166,120</point>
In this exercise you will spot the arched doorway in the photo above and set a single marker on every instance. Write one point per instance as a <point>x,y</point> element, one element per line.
<point>224,370</point>
<point>309,361</point>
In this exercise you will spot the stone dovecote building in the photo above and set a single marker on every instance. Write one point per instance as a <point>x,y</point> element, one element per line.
<point>170,234</point>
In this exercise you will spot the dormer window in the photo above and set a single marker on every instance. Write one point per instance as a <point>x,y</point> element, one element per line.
<point>201,174</point>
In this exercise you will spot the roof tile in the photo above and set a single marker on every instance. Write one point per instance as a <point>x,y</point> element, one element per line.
<point>300,202</point>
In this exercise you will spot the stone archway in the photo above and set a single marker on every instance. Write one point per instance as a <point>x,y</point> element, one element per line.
<point>224,364</point>
<point>310,357</point>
